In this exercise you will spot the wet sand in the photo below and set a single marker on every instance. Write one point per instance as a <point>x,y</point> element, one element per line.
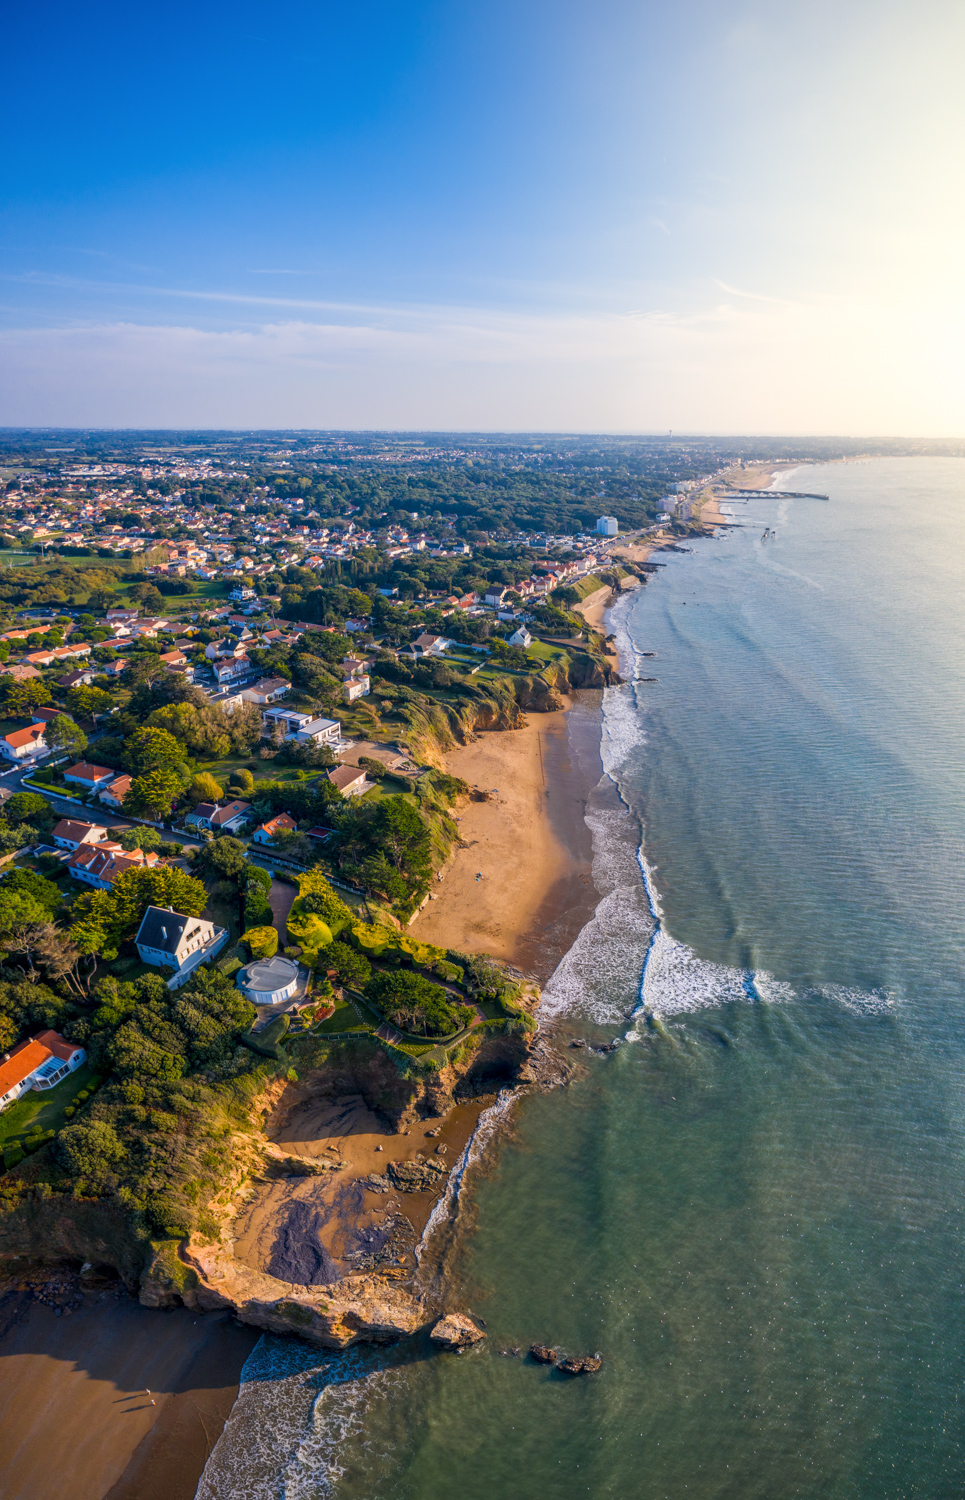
<point>76,1422</point>
<point>312,1230</point>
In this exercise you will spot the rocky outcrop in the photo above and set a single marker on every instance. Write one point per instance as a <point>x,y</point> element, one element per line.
<point>373,1309</point>
<point>588,1364</point>
<point>543,1354</point>
<point>404,1095</point>
<point>456,1331</point>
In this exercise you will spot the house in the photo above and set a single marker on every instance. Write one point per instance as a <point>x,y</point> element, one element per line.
<point>216,650</point>
<point>70,833</point>
<point>210,815</point>
<point>173,658</point>
<point>265,834</point>
<point>349,780</point>
<point>322,731</point>
<point>288,719</point>
<point>521,637</point>
<point>425,644</point>
<point>268,690</point>
<point>90,778</point>
<point>102,865</point>
<point>113,668</point>
<point>495,595</point>
<point>20,671</point>
<point>47,715</point>
<point>121,616</point>
<point>24,744</point>
<point>233,667</point>
<point>113,795</point>
<point>37,1064</point>
<point>173,941</point>
<point>56,653</point>
<point>355,687</point>
<point>78,679</point>
<point>240,593</point>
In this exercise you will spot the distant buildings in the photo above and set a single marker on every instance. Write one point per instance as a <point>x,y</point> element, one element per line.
<point>608,525</point>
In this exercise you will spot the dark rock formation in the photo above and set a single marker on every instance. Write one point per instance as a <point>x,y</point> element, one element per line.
<point>588,1364</point>
<point>543,1354</point>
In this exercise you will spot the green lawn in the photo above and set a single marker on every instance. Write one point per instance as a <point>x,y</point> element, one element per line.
<point>345,1017</point>
<point>42,1111</point>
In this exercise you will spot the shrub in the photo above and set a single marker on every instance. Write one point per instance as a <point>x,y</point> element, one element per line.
<point>70,1110</point>
<point>451,972</point>
<point>263,941</point>
<point>311,932</point>
<point>12,1155</point>
<point>415,1005</point>
<point>316,897</point>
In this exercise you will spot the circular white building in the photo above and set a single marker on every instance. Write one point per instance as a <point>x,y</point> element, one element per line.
<point>268,981</point>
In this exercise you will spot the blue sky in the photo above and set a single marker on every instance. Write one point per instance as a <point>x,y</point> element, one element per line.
<point>606,216</point>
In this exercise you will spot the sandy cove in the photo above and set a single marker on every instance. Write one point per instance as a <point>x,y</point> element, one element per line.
<point>84,1377</point>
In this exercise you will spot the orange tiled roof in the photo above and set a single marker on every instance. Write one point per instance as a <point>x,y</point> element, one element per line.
<point>23,1061</point>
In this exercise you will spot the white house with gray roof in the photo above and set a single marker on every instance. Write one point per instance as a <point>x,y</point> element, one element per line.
<point>173,941</point>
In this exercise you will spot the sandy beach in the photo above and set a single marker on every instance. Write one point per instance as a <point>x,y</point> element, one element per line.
<point>76,1419</point>
<point>529,843</point>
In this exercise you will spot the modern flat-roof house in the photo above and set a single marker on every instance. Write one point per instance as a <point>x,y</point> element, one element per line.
<point>71,834</point>
<point>113,794</point>
<point>322,732</point>
<point>101,865</point>
<point>289,719</point>
<point>211,815</point>
<point>173,941</point>
<point>265,833</point>
<point>24,744</point>
<point>349,780</point>
<point>37,1064</point>
<point>268,690</point>
<point>90,778</point>
<point>268,981</point>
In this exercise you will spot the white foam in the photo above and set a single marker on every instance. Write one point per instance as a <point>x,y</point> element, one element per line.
<point>859,1002</point>
<point>486,1127</point>
<point>676,980</point>
<point>771,991</point>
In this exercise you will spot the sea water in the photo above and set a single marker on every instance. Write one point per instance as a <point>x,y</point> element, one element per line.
<point>753,1207</point>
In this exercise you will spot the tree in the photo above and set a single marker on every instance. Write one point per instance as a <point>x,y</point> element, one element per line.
<point>90,1150</point>
<point>86,701</point>
<point>202,730</point>
<point>243,781</point>
<point>204,788</point>
<point>151,749</point>
<point>152,795</point>
<point>244,728</point>
<point>353,968</point>
<point>63,734</point>
<point>139,836</point>
<point>224,857</point>
<point>29,807</point>
<point>136,890</point>
<point>21,698</point>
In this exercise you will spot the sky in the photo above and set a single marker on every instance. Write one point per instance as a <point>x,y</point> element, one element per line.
<point>514,215</point>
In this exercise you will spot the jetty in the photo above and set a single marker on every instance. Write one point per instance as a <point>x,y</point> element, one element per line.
<point>767,495</point>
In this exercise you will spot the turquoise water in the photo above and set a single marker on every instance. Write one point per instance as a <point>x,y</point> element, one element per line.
<point>754,1206</point>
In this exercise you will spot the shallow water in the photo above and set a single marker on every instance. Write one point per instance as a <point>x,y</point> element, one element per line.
<point>754,1207</point>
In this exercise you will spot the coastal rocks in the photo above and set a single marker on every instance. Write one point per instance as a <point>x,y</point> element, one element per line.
<point>543,1354</point>
<point>416,1176</point>
<point>281,1164</point>
<point>589,1364</point>
<point>456,1331</point>
<point>357,1309</point>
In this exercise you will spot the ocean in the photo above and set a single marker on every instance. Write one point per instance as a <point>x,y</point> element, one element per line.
<point>753,1206</point>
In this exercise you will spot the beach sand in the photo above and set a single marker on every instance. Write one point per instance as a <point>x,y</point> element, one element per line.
<point>76,1422</point>
<point>529,843</point>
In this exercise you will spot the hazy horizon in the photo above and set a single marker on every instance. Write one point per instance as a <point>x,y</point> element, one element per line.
<point>730,218</point>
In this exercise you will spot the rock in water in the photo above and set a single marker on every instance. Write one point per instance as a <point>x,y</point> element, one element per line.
<point>588,1365</point>
<point>543,1354</point>
<point>456,1331</point>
